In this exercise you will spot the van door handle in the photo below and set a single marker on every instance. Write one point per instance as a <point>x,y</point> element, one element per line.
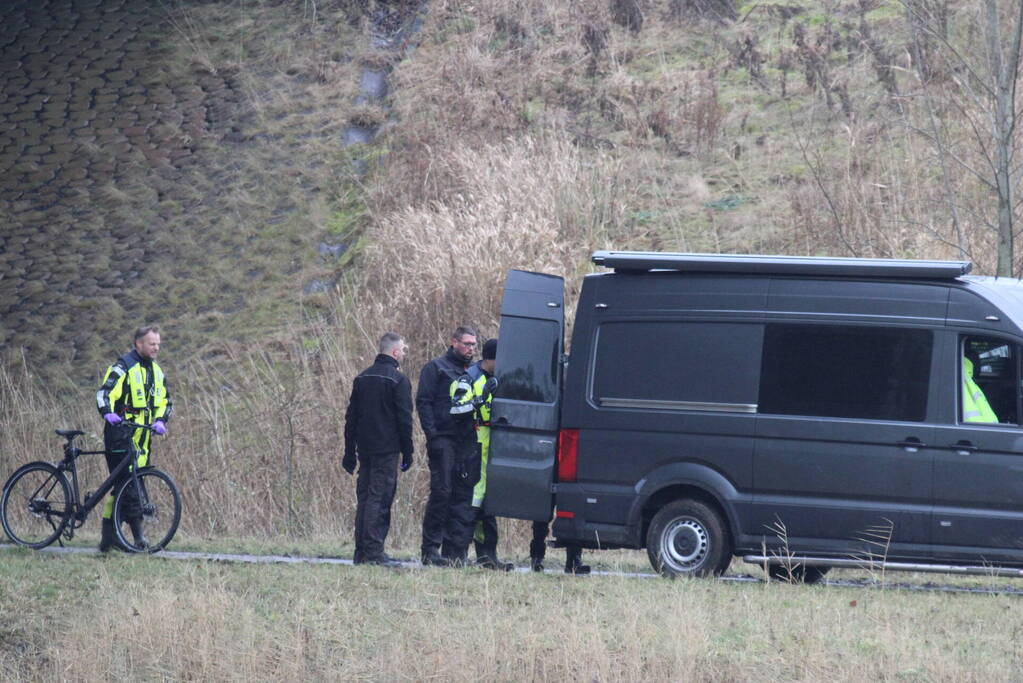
<point>912,444</point>
<point>963,448</point>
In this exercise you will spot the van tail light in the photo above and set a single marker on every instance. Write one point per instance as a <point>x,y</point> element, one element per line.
<point>568,454</point>
<point>565,514</point>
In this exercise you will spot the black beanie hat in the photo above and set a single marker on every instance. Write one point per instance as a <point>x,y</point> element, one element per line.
<point>490,349</point>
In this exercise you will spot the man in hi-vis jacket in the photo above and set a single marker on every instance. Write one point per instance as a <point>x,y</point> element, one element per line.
<point>134,390</point>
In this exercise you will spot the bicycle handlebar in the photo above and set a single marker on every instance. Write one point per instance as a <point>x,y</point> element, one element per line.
<point>135,425</point>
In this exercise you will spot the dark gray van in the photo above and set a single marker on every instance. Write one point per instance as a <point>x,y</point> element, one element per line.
<point>802,413</point>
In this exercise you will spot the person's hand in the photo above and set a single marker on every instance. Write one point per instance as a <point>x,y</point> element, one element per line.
<point>159,427</point>
<point>112,418</point>
<point>406,462</point>
<point>348,463</point>
<point>489,388</point>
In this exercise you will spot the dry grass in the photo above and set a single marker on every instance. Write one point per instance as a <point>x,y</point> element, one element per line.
<point>85,618</point>
<point>522,135</point>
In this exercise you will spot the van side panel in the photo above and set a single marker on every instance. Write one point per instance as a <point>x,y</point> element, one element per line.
<point>846,466</point>
<point>662,373</point>
<point>901,303</point>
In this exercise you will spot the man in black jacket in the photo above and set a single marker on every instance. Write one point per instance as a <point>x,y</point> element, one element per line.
<point>378,426</point>
<point>433,402</point>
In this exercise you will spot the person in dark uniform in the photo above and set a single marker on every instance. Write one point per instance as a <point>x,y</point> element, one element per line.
<point>378,428</point>
<point>471,398</point>
<point>433,403</point>
<point>134,390</point>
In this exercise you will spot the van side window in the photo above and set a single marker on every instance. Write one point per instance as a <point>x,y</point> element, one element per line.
<point>871,373</point>
<point>672,365</point>
<point>988,381</point>
<point>535,377</point>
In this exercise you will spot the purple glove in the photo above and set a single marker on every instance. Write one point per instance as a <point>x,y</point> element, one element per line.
<point>112,418</point>
<point>159,427</point>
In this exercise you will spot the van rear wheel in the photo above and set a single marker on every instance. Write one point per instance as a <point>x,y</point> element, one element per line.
<point>688,538</point>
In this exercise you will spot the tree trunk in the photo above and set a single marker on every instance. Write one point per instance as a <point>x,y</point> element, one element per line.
<point>1003,125</point>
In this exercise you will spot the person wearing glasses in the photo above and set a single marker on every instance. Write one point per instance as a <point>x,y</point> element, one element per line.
<point>433,403</point>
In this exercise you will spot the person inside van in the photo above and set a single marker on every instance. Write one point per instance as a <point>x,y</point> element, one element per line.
<point>975,405</point>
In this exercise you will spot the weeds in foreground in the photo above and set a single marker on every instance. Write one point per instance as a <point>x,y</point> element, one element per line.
<point>217,621</point>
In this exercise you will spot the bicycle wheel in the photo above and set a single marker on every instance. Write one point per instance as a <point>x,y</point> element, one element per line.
<point>147,514</point>
<point>36,505</point>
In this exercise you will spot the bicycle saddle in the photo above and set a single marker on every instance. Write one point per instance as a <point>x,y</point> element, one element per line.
<point>68,433</point>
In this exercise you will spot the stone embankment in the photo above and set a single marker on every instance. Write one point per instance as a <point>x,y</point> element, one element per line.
<point>98,163</point>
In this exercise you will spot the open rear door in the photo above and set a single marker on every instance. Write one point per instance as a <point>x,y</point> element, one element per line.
<point>526,411</point>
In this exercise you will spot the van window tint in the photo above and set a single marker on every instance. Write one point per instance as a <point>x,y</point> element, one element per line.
<point>677,362</point>
<point>989,381</point>
<point>871,373</point>
<point>529,351</point>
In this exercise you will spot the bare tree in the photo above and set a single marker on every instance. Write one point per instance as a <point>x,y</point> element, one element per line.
<point>980,79</point>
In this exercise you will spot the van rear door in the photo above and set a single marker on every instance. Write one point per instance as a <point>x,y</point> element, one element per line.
<point>526,411</point>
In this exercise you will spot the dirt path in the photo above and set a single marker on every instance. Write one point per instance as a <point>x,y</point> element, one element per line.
<point>415,565</point>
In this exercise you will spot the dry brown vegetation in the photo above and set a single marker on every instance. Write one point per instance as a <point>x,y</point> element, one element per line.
<point>89,618</point>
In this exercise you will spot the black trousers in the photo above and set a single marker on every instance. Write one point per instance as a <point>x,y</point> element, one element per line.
<point>461,521</point>
<point>538,546</point>
<point>374,494</point>
<point>117,444</point>
<point>440,454</point>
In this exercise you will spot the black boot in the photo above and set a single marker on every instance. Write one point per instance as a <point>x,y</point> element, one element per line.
<point>138,534</point>
<point>491,562</point>
<point>108,540</point>
<point>536,564</point>
<point>574,561</point>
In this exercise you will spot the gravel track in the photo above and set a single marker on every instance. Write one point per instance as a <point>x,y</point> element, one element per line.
<point>869,584</point>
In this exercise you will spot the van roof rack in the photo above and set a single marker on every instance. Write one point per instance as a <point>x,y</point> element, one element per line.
<point>639,261</point>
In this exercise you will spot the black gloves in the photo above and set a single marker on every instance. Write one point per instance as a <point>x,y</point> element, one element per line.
<point>348,463</point>
<point>406,461</point>
<point>489,388</point>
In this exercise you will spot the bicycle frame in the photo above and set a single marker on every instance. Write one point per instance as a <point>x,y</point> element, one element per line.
<point>81,508</point>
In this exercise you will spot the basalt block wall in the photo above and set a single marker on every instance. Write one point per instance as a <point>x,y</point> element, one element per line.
<point>143,177</point>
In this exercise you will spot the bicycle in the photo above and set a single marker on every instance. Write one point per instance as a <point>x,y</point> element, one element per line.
<point>39,504</point>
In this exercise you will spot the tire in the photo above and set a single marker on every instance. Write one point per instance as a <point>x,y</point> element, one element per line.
<point>688,538</point>
<point>36,505</point>
<point>798,573</point>
<point>161,511</point>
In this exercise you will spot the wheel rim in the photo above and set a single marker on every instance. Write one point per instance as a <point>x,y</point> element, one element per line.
<point>35,508</point>
<point>160,512</point>
<point>685,544</point>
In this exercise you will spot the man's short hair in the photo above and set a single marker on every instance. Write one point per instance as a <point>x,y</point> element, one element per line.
<point>389,341</point>
<point>461,331</point>
<point>144,330</point>
<point>490,349</point>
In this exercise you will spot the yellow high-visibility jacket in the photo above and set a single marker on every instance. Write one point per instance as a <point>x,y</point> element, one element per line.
<point>975,405</point>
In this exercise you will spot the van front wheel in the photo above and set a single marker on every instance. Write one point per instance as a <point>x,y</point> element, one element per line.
<point>687,538</point>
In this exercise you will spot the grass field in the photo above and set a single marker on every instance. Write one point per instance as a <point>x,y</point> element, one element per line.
<point>142,618</point>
